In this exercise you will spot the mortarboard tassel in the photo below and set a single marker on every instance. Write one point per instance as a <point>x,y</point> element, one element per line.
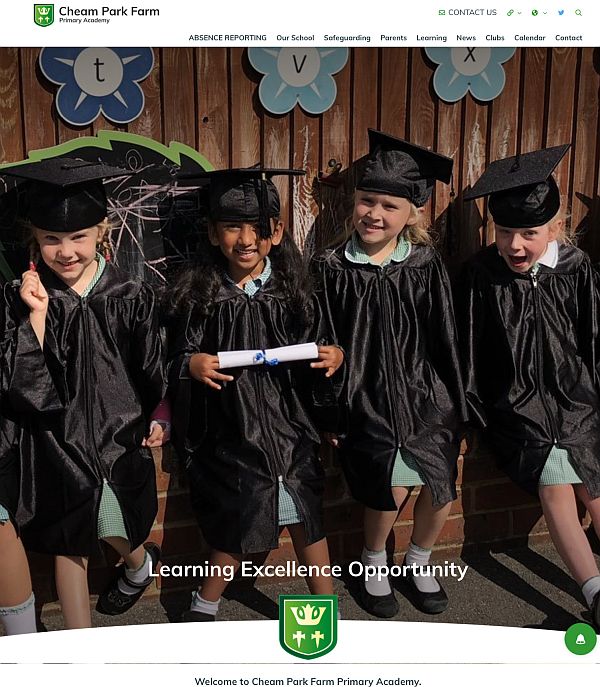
<point>262,193</point>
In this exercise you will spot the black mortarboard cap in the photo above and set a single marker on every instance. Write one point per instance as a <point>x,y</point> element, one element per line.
<point>65,194</point>
<point>399,168</point>
<point>246,194</point>
<point>522,190</point>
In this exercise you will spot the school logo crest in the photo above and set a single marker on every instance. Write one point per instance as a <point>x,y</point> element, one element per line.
<point>308,624</point>
<point>43,15</point>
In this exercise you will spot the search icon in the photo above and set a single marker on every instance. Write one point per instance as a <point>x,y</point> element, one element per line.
<point>578,13</point>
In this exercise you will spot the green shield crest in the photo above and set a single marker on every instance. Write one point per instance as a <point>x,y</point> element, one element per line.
<point>308,624</point>
<point>43,15</point>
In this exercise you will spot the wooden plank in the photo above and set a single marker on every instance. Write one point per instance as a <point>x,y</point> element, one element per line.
<point>336,144</point>
<point>448,212</point>
<point>305,156</point>
<point>37,96</point>
<point>11,125</point>
<point>533,98</point>
<point>103,124</point>
<point>422,111</point>
<point>335,140</point>
<point>149,123</point>
<point>365,98</point>
<point>394,86</point>
<point>213,105</point>
<point>585,163</point>
<point>504,121</point>
<point>474,217</point>
<point>178,95</point>
<point>561,112</point>
<point>244,122</point>
<point>275,142</point>
<point>505,112</point>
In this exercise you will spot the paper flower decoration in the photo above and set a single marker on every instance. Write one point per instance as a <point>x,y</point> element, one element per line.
<point>474,69</point>
<point>97,80</point>
<point>297,75</point>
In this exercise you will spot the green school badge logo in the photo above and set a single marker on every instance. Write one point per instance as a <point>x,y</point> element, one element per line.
<point>307,624</point>
<point>43,15</point>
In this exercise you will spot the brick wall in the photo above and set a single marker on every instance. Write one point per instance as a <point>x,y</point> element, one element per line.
<point>489,511</point>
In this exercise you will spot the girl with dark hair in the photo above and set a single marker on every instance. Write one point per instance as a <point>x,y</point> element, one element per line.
<point>246,434</point>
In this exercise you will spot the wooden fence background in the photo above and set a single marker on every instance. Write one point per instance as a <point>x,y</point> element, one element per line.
<point>207,98</point>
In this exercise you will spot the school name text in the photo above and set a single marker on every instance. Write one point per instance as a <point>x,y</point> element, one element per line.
<point>108,11</point>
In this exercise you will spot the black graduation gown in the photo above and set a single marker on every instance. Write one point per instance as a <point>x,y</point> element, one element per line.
<point>25,387</point>
<point>105,355</point>
<point>528,351</point>
<point>238,443</point>
<point>396,325</point>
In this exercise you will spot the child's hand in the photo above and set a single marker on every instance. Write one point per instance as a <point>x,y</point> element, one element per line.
<point>331,439</point>
<point>203,368</point>
<point>33,293</point>
<point>160,433</point>
<point>330,357</point>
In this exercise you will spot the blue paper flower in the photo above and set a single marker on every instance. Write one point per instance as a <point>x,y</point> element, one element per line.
<point>297,75</point>
<point>478,70</point>
<point>97,80</point>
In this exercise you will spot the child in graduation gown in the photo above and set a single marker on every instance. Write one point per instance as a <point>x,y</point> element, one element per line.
<point>387,295</point>
<point>246,434</point>
<point>26,387</point>
<point>87,475</point>
<point>528,322</point>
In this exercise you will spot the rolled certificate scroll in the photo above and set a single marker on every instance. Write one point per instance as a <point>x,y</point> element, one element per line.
<point>270,356</point>
<point>239,358</point>
<point>286,354</point>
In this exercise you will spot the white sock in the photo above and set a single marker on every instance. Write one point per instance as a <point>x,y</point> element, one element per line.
<point>420,557</point>
<point>137,576</point>
<point>373,585</point>
<point>204,606</point>
<point>19,620</point>
<point>590,589</point>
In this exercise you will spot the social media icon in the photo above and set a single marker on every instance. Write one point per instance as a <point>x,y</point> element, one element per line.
<point>534,13</point>
<point>561,12</point>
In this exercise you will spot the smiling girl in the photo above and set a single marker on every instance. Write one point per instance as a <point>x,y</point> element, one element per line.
<point>247,435</point>
<point>388,297</point>
<point>528,324</point>
<point>88,471</point>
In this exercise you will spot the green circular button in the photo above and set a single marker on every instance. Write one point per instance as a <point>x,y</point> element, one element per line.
<point>580,639</point>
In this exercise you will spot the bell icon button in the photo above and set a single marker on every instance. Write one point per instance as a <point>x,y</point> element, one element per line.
<point>580,639</point>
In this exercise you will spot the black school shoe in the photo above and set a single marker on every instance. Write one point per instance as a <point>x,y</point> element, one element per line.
<point>427,602</point>
<point>596,612</point>
<point>191,616</point>
<point>380,606</point>
<point>112,601</point>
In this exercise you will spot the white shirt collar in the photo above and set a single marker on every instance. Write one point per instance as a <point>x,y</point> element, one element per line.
<point>550,257</point>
